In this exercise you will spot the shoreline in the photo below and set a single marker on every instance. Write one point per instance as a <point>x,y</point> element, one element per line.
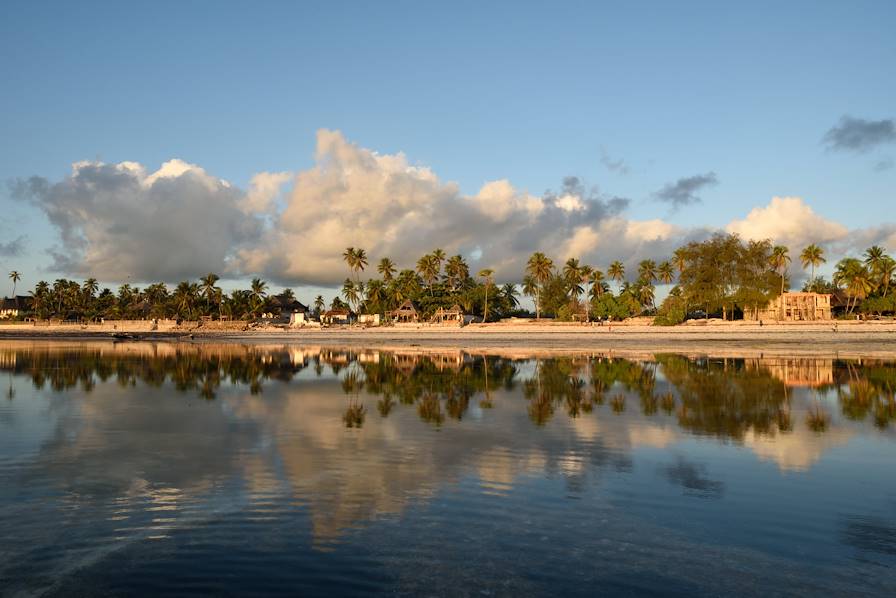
<point>854,339</point>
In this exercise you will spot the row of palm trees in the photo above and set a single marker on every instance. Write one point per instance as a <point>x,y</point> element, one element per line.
<point>67,299</point>
<point>438,280</point>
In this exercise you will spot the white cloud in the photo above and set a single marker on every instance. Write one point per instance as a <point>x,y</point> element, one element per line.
<point>788,221</point>
<point>355,197</point>
<point>120,222</point>
<point>117,223</point>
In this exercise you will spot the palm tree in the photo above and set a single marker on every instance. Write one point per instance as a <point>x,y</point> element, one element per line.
<point>185,297</point>
<point>572,275</point>
<point>540,267</point>
<point>647,271</point>
<point>680,259</point>
<point>386,268</point>
<point>854,276</point>
<point>509,292</point>
<point>429,267</point>
<point>319,304</point>
<point>356,260</point>
<point>812,255</point>
<point>208,290</point>
<point>616,271</point>
<point>360,261</point>
<point>350,292</point>
<point>877,261</point>
<point>486,275</point>
<point>439,256</point>
<point>15,277</point>
<point>348,256</point>
<point>666,272</point>
<point>886,271</point>
<point>456,271</point>
<point>597,283</point>
<point>258,293</point>
<point>779,260</point>
<point>530,287</point>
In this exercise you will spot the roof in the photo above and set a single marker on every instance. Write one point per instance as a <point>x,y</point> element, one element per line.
<point>284,302</point>
<point>18,302</point>
<point>337,312</point>
<point>406,307</point>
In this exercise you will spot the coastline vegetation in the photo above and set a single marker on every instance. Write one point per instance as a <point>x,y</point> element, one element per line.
<point>722,276</point>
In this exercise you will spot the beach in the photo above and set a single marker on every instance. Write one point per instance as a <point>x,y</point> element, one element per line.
<point>843,338</point>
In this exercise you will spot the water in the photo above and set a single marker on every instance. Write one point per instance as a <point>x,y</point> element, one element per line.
<point>233,469</point>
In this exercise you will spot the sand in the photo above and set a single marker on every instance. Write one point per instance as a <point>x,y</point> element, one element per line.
<point>845,339</point>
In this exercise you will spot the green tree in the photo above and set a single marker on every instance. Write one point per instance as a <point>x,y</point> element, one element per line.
<point>486,275</point>
<point>386,268</point>
<point>780,260</point>
<point>541,268</point>
<point>15,277</point>
<point>812,255</point>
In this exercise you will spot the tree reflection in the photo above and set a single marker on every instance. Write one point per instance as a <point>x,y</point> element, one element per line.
<point>720,397</point>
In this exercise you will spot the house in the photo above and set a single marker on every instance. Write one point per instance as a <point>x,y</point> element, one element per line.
<point>453,315</point>
<point>406,313</point>
<point>369,319</point>
<point>337,316</point>
<point>283,307</point>
<point>794,307</point>
<point>14,307</point>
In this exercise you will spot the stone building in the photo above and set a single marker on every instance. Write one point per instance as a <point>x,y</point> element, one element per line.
<point>794,307</point>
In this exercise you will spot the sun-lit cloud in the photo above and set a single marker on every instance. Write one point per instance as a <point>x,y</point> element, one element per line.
<point>120,222</point>
<point>788,221</point>
<point>117,223</point>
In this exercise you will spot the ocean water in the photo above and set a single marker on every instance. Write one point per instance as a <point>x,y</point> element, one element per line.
<point>251,469</point>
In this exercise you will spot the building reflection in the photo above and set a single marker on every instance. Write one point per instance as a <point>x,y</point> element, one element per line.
<point>724,397</point>
<point>275,416</point>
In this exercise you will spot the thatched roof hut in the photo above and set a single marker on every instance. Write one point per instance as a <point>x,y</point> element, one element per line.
<point>453,314</point>
<point>406,312</point>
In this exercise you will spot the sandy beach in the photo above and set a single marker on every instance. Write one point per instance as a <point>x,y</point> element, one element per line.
<point>853,338</point>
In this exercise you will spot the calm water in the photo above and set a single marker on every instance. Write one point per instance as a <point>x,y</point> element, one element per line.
<point>231,469</point>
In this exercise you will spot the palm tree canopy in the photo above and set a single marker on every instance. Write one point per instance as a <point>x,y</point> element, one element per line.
<point>812,255</point>
<point>616,271</point>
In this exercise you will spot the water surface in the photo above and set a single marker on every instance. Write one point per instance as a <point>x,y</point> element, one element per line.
<point>249,469</point>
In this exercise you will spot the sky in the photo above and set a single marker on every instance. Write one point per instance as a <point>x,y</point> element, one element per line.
<point>164,140</point>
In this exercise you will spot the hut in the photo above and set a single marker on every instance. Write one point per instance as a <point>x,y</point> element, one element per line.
<point>406,313</point>
<point>14,307</point>
<point>283,307</point>
<point>453,315</point>
<point>337,316</point>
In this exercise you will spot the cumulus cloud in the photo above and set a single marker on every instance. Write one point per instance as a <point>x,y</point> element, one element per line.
<point>353,196</point>
<point>684,191</point>
<point>859,135</point>
<point>788,221</point>
<point>13,248</point>
<point>118,222</point>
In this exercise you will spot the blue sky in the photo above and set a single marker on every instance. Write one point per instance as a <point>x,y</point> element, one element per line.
<point>528,92</point>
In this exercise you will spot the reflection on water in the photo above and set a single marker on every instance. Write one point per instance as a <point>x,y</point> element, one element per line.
<point>416,471</point>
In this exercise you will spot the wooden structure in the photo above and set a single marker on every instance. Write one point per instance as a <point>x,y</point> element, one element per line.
<point>453,315</point>
<point>337,316</point>
<point>795,307</point>
<point>14,307</point>
<point>406,313</point>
